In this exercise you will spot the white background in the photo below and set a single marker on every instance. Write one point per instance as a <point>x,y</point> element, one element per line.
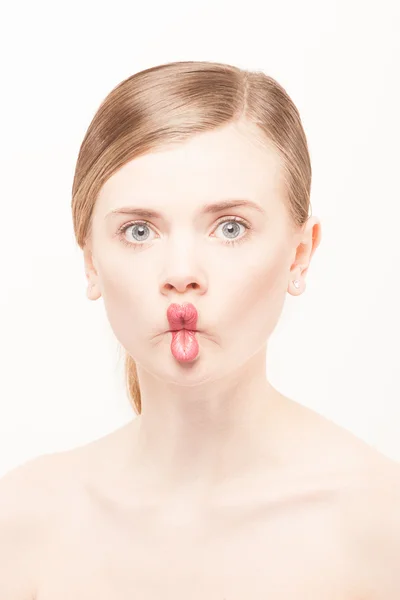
<point>336,348</point>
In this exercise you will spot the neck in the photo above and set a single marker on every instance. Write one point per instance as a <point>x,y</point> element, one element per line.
<point>201,436</point>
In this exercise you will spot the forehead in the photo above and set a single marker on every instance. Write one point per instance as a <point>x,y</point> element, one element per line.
<point>228,162</point>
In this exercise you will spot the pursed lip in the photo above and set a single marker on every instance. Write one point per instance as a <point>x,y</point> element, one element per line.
<point>182,316</point>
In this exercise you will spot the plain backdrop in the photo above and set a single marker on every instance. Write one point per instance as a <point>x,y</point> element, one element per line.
<point>336,348</point>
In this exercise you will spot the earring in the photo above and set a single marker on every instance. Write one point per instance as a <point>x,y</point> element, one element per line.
<point>296,283</point>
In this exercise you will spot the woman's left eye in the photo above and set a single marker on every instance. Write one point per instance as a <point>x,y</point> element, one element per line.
<point>231,227</point>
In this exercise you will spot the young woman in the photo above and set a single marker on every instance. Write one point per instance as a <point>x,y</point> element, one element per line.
<point>191,204</point>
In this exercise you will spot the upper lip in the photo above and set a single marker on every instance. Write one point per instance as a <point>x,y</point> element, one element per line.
<point>182,316</point>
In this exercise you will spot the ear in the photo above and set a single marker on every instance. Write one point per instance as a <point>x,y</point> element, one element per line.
<point>91,273</point>
<point>308,241</point>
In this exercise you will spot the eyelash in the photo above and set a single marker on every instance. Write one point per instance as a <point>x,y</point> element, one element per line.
<point>123,228</point>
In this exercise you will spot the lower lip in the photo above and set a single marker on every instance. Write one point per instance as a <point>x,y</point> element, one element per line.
<point>184,345</point>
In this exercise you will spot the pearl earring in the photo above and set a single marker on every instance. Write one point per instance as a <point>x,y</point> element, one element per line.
<point>296,283</point>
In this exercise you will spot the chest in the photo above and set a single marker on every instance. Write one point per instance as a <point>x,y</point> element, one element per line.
<point>296,551</point>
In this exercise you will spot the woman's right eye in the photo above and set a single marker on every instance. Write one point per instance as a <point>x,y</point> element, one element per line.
<point>138,231</point>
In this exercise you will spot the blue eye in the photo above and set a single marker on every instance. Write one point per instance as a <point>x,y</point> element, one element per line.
<point>139,227</point>
<point>227,228</point>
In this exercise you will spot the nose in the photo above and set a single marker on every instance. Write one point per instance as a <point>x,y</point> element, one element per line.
<point>180,285</point>
<point>183,271</point>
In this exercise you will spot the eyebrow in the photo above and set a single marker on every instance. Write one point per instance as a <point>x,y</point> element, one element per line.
<point>205,209</point>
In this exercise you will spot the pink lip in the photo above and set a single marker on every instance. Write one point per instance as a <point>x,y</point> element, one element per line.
<point>182,316</point>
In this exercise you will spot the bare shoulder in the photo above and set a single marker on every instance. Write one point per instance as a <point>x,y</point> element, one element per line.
<point>25,497</point>
<point>45,484</point>
<point>30,493</point>
<point>40,477</point>
<point>326,448</point>
<point>26,472</point>
<point>35,495</point>
<point>368,486</point>
<point>372,513</point>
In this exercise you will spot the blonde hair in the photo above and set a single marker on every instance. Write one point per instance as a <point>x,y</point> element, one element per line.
<point>169,104</point>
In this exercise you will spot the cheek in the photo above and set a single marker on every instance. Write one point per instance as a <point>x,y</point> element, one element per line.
<point>119,288</point>
<point>259,302</point>
<point>272,278</point>
<point>123,293</point>
<point>123,279</point>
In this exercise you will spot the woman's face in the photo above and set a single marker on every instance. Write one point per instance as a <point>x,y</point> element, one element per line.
<point>233,264</point>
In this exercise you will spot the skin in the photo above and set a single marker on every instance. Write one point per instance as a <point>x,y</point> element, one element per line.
<point>216,443</point>
<point>201,423</point>
<point>222,488</point>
